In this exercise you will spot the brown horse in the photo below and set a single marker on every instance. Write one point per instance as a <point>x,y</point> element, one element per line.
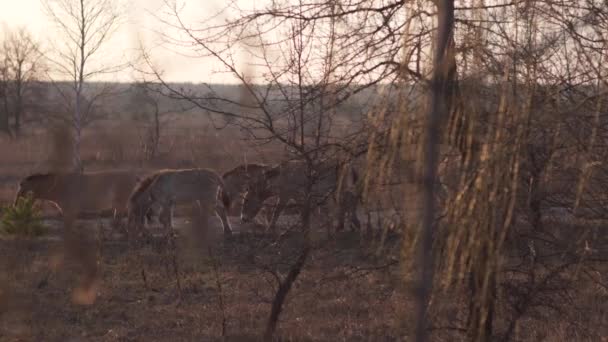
<point>166,188</point>
<point>77,193</point>
<point>236,182</point>
<point>289,182</point>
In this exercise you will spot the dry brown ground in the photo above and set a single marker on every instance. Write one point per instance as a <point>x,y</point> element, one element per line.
<point>343,293</point>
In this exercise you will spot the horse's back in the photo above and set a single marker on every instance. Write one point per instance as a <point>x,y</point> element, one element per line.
<point>187,185</point>
<point>293,180</point>
<point>237,179</point>
<point>97,191</point>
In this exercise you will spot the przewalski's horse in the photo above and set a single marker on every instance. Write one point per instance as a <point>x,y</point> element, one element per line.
<point>290,181</point>
<point>235,185</point>
<point>77,193</point>
<point>137,213</point>
<point>236,181</point>
<point>166,188</point>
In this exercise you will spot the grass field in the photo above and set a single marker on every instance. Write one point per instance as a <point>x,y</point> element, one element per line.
<point>354,287</point>
<point>344,293</point>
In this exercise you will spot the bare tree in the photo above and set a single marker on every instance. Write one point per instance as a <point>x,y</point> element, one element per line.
<point>85,26</point>
<point>290,98</point>
<point>438,109</point>
<point>143,101</point>
<point>4,108</point>
<point>531,79</point>
<point>147,101</point>
<point>21,68</point>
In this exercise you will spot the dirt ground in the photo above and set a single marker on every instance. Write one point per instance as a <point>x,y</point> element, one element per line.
<point>344,293</point>
<point>211,288</point>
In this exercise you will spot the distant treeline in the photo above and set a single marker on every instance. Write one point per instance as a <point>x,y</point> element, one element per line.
<point>48,101</point>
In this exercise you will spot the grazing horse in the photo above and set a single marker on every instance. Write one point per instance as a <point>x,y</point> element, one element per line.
<point>166,188</point>
<point>235,185</point>
<point>76,193</point>
<point>236,182</point>
<point>290,181</point>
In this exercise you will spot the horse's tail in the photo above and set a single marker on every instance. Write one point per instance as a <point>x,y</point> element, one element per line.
<point>18,195</point>
<point>222,194</point>
<point>225,198</point>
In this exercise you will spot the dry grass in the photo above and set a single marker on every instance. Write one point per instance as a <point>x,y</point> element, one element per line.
<point>336,298</point>
<point>344,292</point>
<point>107,146</point>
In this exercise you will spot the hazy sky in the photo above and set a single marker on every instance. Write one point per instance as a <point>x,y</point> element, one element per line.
<point>137,25</point>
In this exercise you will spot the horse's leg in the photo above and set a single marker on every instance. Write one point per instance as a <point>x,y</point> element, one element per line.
<point>117,224</point>
<point>281,203</point>
<point>267,212</point>
<point>328,211</point>
<point>353,205</point>
<point>264,215</point>
<point>341,214</point>
<point>165,217</point>
<point>138,227</point>
<point>202,219</point>
<point>356,224</point>
<point>59,209</point>
<point>221,212</point>
<point>171,208</point>
<point>149,216</point>
<point>326,216</point>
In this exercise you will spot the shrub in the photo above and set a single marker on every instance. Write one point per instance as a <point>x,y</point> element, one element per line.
<point>22,218</point>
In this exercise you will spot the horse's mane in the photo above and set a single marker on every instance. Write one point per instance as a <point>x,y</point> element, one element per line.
<point>243,167</point>
<point>68,173</point>
<point>38,176</point>
<point>142,185</point>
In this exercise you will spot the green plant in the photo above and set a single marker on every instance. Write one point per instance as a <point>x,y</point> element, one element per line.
<point>22,218</point>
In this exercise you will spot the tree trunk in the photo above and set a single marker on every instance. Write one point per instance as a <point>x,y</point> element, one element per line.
<point>481,301</point>
<point>4,111</point>
<point>285,286</point>
<point>77,120</point>
<point>18,106</point>
<point>438,109</point>
<point>4,125</point>
<point>156,141</point>
<point>79,84</point>
<point>279,298</point>
<point>4,115</point>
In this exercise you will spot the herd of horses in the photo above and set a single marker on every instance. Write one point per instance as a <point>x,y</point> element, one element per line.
<point>330,187</point>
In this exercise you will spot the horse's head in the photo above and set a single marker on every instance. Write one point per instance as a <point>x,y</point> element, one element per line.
<point>37,185</point>
<point>257,192</point>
